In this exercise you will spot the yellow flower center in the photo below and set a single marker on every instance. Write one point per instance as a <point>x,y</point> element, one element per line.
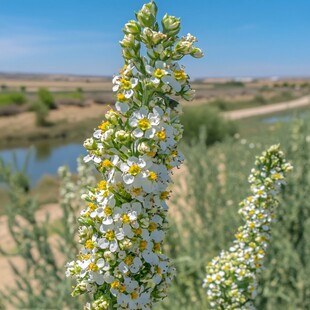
<point>152,226</point>
<point>218,277</point>
<point>106,164</point>
<point>151,153</point>
<point>260,192</point>
<point>121,97</point>
<point>110,235</point>
<point>180,75</point>
<point>102,185</point>
<point>159,73</point>
<point>136,191</point>
<point>152,176</point>
<point>92,206</point>
<point>108,211</point>
<point>144,124</point>
<point>143,245</point>
<point>115,284</point>
<point>252,225</point>
<point>84,256</point>
<point>128,260</point>
<point>125,218</point>
<point>161,135</point>
<point>134,295</point>
<point>158,270</point>
<point>126,84</point>
<point>164,195</point>
<point>134,169</point>
<point>89,244</point>
<point>137,231</point>
<point>157,247</point>
<point>252,245</point>
<point>122,288</point>
<point>277,176</point>
<point>104,126</point>
<point>93,267</point>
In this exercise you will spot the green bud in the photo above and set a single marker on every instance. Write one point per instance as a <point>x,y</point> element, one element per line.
<point>128,53</point>
<point>147,15</point>
<point>152,38</point>
<point>86,221</point>
<point>183,47</point>
<point>132,27</point>
<point>90,144</point>
<point>197,52</point>
<point>171,25</point>
<point>128,41</point>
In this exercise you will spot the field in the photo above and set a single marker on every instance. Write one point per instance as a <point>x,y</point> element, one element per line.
<point>204,206</point>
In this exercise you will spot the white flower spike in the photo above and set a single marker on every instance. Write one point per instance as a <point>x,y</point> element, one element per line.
<point>121,264</point>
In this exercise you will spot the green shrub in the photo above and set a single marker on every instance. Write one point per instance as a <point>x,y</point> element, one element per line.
<point>260,100</point>
<point>41,111</point>
<point>220,104</point>
<point>46,98</point>
<point>41,245</point>
<point>18,98</point>
<point>206,218</point>
<point>12,98</point>
<point>207,120</point>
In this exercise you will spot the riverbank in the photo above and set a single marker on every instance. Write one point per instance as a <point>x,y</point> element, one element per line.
<point>67,123</point>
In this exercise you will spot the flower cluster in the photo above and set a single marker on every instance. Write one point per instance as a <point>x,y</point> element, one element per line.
<point>232,277</point>
<point>121,263</point>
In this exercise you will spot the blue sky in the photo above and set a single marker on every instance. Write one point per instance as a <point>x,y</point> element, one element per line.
<point>240,37</point>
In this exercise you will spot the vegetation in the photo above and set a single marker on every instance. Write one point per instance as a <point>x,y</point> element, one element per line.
<point>42,285</point>
<point>207,121</point>
<point>12,98</point>
<point>46,98</point>
<point>41,110</point>
<point>212,203</point>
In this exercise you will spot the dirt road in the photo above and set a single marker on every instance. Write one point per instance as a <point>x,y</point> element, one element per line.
<point>272,108</point>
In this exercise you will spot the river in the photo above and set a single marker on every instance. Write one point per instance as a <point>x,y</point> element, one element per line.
<point>44,158</point>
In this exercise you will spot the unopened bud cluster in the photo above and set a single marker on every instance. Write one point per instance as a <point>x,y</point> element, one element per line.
<point>232,277</point>
<point>121,263</point>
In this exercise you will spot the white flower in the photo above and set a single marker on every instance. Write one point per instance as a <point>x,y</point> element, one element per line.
<point>145,122</point>
<point>132,171</point>
<point>110,237</point>
<point>124,85</point>
<point>162,73</point>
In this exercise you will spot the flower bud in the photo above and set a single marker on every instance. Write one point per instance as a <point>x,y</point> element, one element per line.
<point>171,25</point>
<point>197,52</point>
<point>144,148</point>
<point>132,27</point>
<point>90,144</point>
<point>121,136</point>
<point>152,38</point>
<point>128,41</point>
<point>184,47</point>
<point>112,116</point>
<point>147,15</point>
<point>188,93</point>
<point>129,53</point>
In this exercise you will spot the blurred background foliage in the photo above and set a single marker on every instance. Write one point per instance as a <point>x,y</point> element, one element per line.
<point>203,217</point>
